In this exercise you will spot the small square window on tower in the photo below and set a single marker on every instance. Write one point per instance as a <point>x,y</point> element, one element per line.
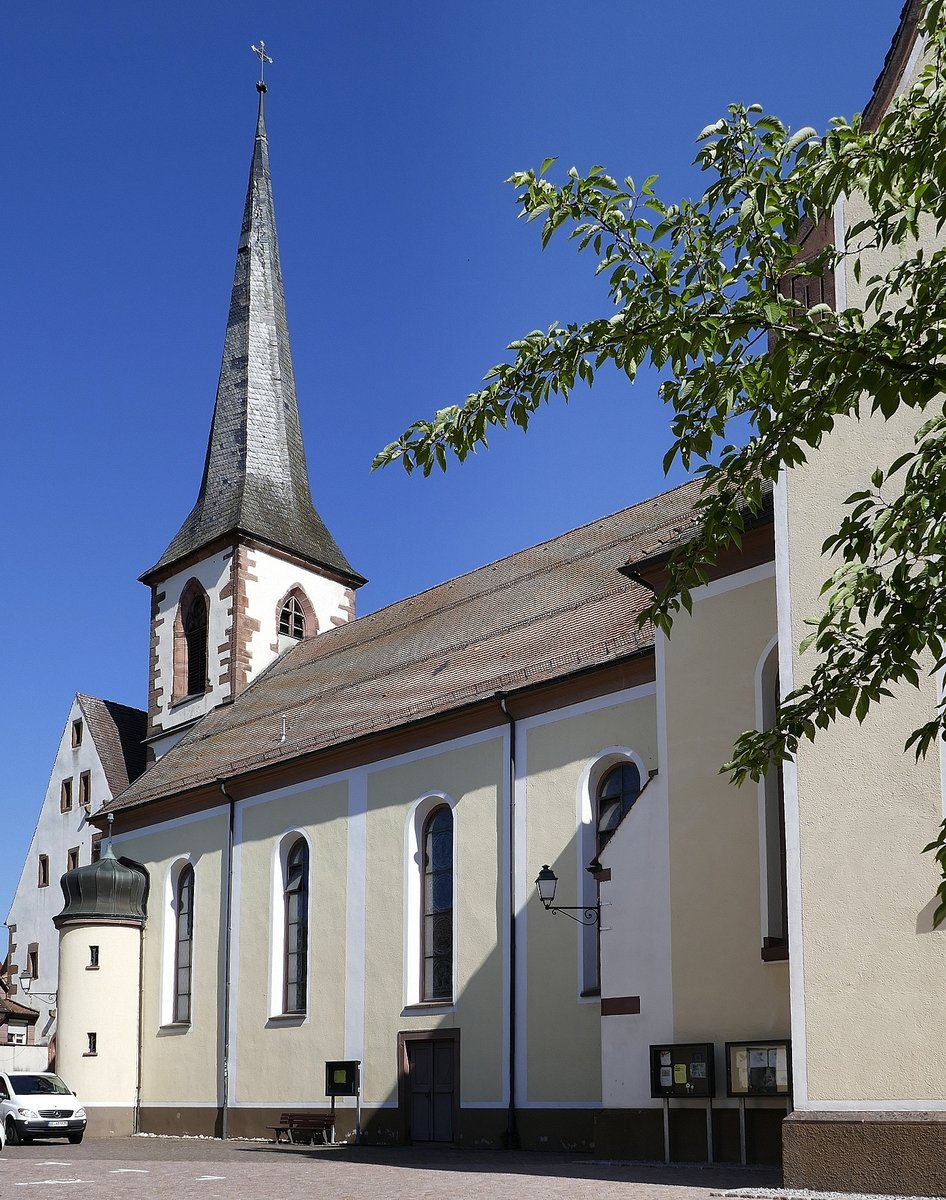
<point>65,796</point>
<point>85,790</point>
<point>76,734</point>
<point>42,879</point>
<point>72,859</point>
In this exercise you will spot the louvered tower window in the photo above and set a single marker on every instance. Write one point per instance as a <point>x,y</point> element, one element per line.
<point>195,636</point>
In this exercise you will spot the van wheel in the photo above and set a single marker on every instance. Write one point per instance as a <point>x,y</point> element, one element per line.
<point>13,1136</point>
<point>75,1138</point>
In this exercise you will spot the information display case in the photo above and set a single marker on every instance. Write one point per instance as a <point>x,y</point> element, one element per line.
<point>759,1068</point>
<point>342,1078</point>
<point>683,1070</point>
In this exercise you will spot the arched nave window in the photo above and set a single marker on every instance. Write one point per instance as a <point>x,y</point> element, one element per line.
<point>296,926</point>
<point>610,786</point>
<point>183,944</point>
<point>615,797</point>
<point>437,928</point>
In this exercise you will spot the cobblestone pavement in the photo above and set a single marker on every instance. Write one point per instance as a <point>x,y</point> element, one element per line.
<point>187,1168</point>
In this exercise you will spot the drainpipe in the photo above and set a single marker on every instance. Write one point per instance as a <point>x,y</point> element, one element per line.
<point>512,1123</point>
<point>225,1023</point>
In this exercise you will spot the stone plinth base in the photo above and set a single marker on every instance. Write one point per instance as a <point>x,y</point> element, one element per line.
<point>899,1153</point>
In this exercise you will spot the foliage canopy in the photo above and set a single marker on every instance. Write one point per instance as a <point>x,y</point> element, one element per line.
<point>704,291</point>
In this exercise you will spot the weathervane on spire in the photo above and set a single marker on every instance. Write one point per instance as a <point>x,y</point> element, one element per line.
<point>260,52</point>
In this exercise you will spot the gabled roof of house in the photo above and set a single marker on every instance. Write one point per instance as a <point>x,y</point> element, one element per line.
<point>895,61</point>
<point>118,732</point>
<point>10,1008</point>
<point>255,479</point>
<point>543,614</point>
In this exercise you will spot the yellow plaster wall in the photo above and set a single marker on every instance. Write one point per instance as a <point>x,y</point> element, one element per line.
<point>472,776</point>
<point>873,967</point>
<point>721,988</point>
<point>563,1051</point>
<point>280,1061</point>
<point>181,1066</point>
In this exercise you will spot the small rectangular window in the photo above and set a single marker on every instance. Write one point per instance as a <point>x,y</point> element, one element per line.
<point>96,847</point>
<point>72,859</point>
<point>93,957</point>
<point>76,734</point>
<point>32,961</point>
<point>16,1035</point>
<point>43,874</point>
<point>85,790</point>
<point>65,796</point>
<point>93,1040</point>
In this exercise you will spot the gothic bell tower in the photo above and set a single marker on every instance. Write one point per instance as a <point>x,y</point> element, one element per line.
<point>253,569</point>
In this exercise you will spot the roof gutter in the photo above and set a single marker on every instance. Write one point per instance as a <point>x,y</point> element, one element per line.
<point>224,1055</point>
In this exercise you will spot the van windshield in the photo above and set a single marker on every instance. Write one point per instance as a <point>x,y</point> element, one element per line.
<point>38,1085</point>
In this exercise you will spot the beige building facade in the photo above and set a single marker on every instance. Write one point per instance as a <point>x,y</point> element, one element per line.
<point>342,859</point>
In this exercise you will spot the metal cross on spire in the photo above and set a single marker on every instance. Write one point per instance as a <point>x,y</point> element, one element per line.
<point>260,52</point>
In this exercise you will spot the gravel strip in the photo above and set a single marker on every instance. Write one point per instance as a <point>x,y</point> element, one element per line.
<point>805,1194</point>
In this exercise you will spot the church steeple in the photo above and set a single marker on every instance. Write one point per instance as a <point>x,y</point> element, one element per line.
<point>253,568</point>
<point>255,480</point>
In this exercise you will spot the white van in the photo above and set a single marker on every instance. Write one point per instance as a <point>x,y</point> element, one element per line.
<point>38,1104</point>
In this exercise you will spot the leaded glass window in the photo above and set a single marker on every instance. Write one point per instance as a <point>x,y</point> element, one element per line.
<point>184,944</point>
<point>616,795</point>
<point>437,980</point>
<point>297,928</point>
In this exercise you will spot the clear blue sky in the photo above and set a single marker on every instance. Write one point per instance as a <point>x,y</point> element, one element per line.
<point>128,133</point>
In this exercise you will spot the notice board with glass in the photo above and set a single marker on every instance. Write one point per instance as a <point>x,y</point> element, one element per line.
<point>761,1068</point>
<point>683,1070</point>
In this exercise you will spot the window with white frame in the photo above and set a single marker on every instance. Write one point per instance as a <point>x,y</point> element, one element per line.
<point>290,964</point>
<point>296,913</point>
<point>430,902</point>
<point>610,786</point>
<point>178,944</point>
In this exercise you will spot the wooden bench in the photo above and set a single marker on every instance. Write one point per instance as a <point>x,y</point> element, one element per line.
<point>301,1127</point>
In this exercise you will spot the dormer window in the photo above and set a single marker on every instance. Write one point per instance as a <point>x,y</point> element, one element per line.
<point>292,619</point>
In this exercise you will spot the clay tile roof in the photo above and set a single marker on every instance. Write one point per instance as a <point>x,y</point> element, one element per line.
<point>539,615</point>
<point>118,732</point>
<point>10,1008</point>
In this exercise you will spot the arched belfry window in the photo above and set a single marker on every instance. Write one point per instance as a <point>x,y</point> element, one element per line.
<point>437,931</point>
<point>195,635</point>
<point>292,619</point>
<point>191,639</point>
<point>616,794</point>
<point>296,908</point>
<point>183,944</point>
<point>295,616</point>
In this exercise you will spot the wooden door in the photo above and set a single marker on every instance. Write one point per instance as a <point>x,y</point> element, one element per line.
<point>431,1086</point>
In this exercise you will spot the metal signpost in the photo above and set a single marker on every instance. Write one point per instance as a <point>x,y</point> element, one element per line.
<point>343,1078</point>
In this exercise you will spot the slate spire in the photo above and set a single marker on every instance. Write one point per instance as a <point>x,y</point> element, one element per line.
<point>255,479</point>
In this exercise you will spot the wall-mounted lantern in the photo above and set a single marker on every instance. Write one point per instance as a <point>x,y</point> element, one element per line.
<point>545,884</point>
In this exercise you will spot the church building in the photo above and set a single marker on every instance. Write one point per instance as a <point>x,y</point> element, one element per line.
<point>478,842</point>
